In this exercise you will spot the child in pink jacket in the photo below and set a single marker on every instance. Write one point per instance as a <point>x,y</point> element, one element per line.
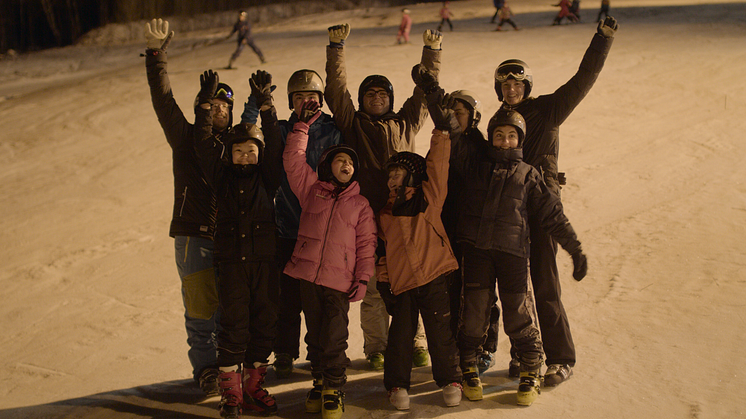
<point>334,256</point>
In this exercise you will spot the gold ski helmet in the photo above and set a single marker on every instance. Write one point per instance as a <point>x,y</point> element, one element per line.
<point>305,81</point>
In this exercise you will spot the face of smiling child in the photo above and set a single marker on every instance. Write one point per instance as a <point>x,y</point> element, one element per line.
<point>342,167</point>
<point>246,153</point>
<point>505,136</point>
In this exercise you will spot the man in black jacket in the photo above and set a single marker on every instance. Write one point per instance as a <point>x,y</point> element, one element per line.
<point>193,220</point>
<point>544,115</point>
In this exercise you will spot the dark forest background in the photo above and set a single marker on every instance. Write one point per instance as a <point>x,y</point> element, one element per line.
<point>28,25</point>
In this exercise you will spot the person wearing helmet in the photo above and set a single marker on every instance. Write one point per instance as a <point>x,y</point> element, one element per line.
<point>500,193</point>
<point>376,133</point>
<point>544,115</point>
<point>303,85</point>
<point>243,27</point>
<point>413,275</point>
<point>333,258</point>
<point>245,173</point>
<point>193,215</point>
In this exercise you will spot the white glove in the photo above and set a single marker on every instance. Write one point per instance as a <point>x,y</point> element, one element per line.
<point>339,33</point>
<point>157,34</point>
<point>432,39</point>
<point>608,27</point>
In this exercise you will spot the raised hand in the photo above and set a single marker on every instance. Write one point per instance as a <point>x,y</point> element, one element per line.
<point>424,79</point>
<point>157,34</point>
<point>209,85</point>
<point>338,33</point>
<point>608,27</point>
<point>261,88</point>
<point>440,108</point>
<point>432,39</point>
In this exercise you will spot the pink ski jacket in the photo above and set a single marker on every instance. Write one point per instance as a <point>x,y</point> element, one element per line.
<point>337,233</point>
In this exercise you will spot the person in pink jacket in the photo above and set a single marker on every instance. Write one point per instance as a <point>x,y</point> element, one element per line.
<point>333,257</point>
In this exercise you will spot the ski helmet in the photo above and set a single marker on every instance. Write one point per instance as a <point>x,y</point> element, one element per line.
<point>305,81</point>
<point>517,70</point>
<point>507,117</point>
<point>470,100</point>
<point>324,169</point>
<point>413,163</point>
<point>244,132</point>
<point>375,80</point>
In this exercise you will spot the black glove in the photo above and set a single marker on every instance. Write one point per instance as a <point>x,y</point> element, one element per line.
<point>308,110</point>
<point>424,79</point>
<point>209,82</point>
<point>261,88</point>
<point>608,27</point>
<point>384,289</point>
<point>440,105</point>
<point>579,265</point>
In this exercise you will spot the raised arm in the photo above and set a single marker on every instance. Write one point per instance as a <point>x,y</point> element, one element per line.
<point>414,110</point>
<point>336,92</point>
<point>300,175</point>
<point>208,151</point>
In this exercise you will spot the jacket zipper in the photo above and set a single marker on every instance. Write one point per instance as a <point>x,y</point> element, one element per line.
<point>181,210</point>
<point>326,235</point>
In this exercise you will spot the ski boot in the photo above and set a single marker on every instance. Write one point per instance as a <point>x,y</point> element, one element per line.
<point>419,357</point>
<point>231,397</point>
<point>375,361</point>
<point>283,365</point>
<point>472,384</point>
<point>332,403</point>
<point>528,389</point>
<point>255,398</point>
<point>313,398</point>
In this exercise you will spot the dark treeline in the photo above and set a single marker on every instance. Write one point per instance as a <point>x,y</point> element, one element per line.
<point>27,25</point>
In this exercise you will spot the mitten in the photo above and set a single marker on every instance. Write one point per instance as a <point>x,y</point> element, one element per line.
<point>579,265</point>
<point>261,88</point>
<point>338,33</point>
<point>209,82</point>
<point>357,292</point>
<point>424,79</point>
<point>432,39</point>
<point>157,34</point>
<point>440,105</point>
<point>384,290</point>
<point>608,27</point>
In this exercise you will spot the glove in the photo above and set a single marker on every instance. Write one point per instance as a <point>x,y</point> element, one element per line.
<point>157,34</point>
<point>384,289</point>
<point>608,27</point>
<point>261,88</point>
<point>424,79</point>
<point>338,33</point>
<point>357,292</point>
<point>209,82</point>
<point>309,112</point>
<point>432,39</point>
<point>440,105</point>
<point>579,265</point>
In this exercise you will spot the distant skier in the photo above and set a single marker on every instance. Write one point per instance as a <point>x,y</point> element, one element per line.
<point>404,27</point>
<point>445,17</point>
<point>564,12</point>
<point>243,27</point>
<point>505,17</point>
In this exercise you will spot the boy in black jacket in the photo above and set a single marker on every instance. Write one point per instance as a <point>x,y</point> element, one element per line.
<point>245,175</point>
<point>500,193</point>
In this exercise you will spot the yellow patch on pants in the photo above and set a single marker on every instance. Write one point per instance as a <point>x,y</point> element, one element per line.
<point>200,294</point>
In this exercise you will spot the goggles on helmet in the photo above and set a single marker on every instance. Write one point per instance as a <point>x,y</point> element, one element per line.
<point>225,93</point>
<point>515,71</point>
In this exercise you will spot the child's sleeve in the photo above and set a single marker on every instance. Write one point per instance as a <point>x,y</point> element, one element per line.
<point>300,175</point>
<point>272,165</point>
<point>436,187</point>
<point>547,206</point>
<point>365,244</point>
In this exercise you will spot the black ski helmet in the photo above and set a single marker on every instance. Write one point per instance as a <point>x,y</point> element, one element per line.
<point>305,81</point>
<point>507,117</point>
<point>375,80</point>
<point>241,133</point>
<point>413,163</point>
<point>470,100</point>
<point>517,70</point>
<point>224,92</point>
<point>324,169</point>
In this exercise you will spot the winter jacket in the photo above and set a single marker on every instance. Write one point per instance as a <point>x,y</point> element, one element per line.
<point>375,139</point>
<point>245,229</point>
<point>322,134</point>
<point>337,235</point>
<point>417,248</point>
<point>546,113</point>
<point>194,200</point>
<point>499,194</point>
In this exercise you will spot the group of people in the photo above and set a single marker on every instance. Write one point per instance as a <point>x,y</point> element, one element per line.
<point>276,217</point>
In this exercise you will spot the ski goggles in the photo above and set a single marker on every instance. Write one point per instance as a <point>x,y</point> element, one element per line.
<point>507,71</point>
<point>224,93</point>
